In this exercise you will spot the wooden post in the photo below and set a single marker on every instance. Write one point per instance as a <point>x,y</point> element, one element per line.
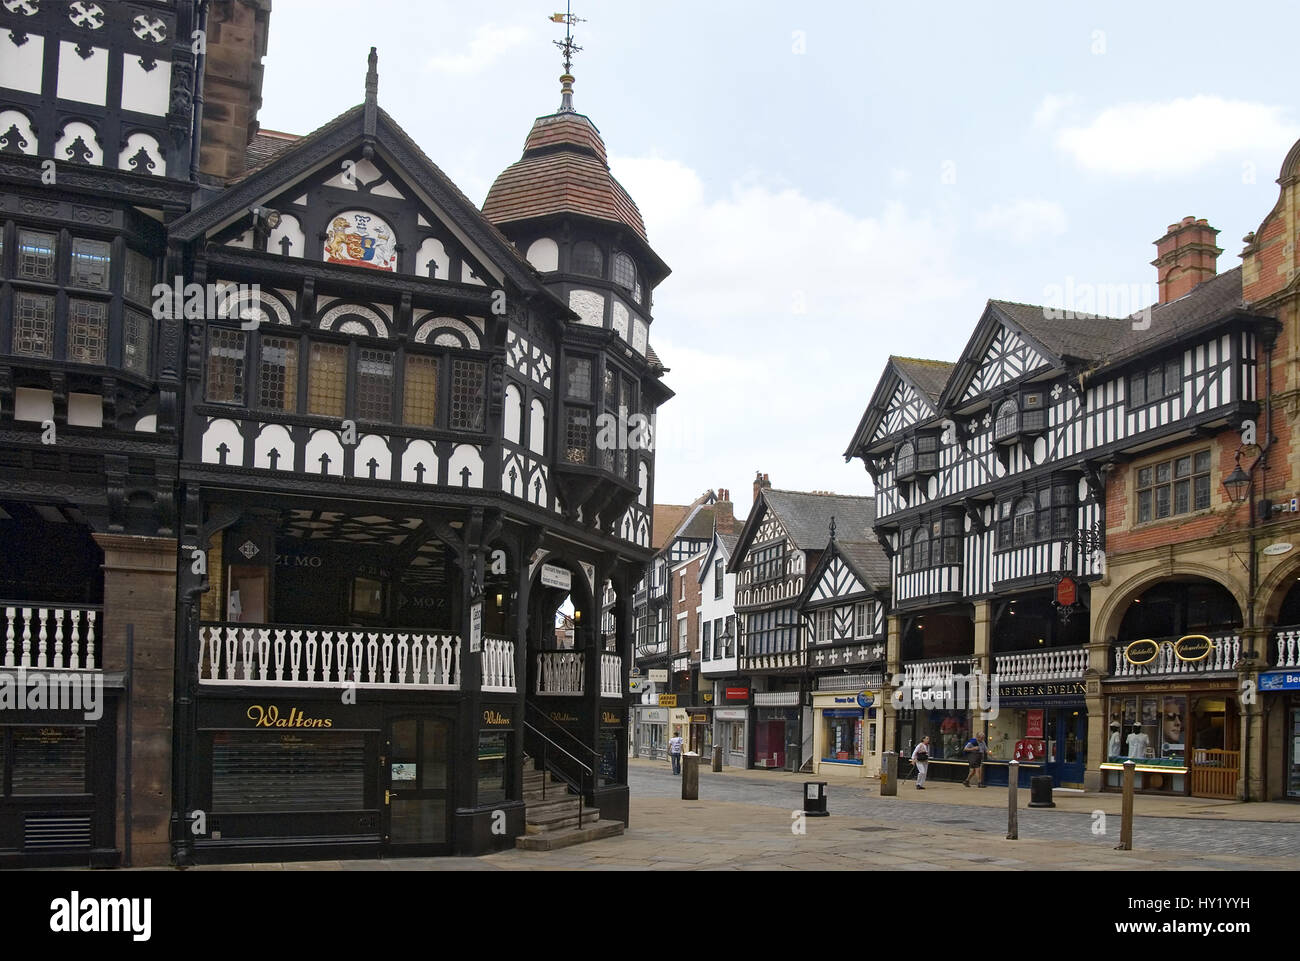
<point>1013,785</point>
<point>690,777</point>
<point>1126,815</point>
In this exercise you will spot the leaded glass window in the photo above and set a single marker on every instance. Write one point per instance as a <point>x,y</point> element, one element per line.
<point>327,379</point>
<point>277,387</point>
<point>36,255</point>
<point>468,387</point>
<point>225,366</point>
<point>86,334</point>
<point>33,325</point>
<point>90,263</point>
<point>374,384</point>
<point>420,391</point>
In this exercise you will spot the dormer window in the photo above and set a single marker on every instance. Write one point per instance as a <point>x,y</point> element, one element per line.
<point>1024,413</point>
<point>918,456</point>
<point>905,460</point>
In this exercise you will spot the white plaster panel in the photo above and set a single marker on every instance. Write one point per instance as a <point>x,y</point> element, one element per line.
<point>640,336</point>
<point>537,427</point>
<point>324,442</point>
<point>134,144</point>
<point>620,318</point>
<point>373,447</point>
<point>71,131</point>
<point>290,228</point>
<point>20,66</point>
<point>31,403</point>
<point>465,455</point>
<point>16,118</point>
<point>85,410</point>
<point>419,452</point>
<point>85,81</point>
<point>273,436</point>
<point>223,431</point>
<point>589,306</point>
<point>432,251</point>
<point>544,254</point>
<point>145,91</point>
<point>514,413</point>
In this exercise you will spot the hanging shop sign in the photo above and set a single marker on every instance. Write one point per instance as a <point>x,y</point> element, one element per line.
<point>1065,597</point>
<point>866,699</point>
<point>553,576</point>
<point>476,627</point>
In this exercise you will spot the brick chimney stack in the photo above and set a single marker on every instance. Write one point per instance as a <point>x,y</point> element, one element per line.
<point>1186,256</point>
<point>724,514</point>
<point>760,482</point>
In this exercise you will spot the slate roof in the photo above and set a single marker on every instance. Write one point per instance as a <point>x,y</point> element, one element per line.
<point>265,146</point>
<point>930,376</point>
<point>1110,340</point>
<point>564,169</point>
<point>807,517</point>
<point>869,559</point>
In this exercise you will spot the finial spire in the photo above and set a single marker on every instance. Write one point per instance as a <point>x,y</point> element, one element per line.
<point>372,76</point>
<point>370,114</point>
<point>570,48</point>
<point>832,527</point>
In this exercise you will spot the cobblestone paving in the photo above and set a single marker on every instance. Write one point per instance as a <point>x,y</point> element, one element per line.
<point>1165,833</point>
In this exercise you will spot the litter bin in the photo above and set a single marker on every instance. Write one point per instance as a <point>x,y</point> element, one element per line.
<point>814,799</point>
<point>1040,792</point>
<point>889,774</point>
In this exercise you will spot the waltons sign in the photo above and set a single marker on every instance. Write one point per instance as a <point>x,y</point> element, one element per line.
<point>1189,647</point>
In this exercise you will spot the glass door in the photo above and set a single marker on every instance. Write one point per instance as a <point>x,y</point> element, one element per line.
<point>417,785</point>
<point>1293,771</point>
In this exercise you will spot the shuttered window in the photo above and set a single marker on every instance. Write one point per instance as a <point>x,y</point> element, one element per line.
<point>263,771</point>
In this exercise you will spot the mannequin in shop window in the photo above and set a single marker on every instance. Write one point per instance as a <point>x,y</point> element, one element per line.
<point>1114,744</point>
<point>1138,743</point>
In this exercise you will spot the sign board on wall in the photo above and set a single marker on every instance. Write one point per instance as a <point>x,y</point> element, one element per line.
<point>553,576</point>
<point>667,700</point>
<point>737,694</point>
<point>476,627</point>
<point>658,676</point>
<point>1034,723</point>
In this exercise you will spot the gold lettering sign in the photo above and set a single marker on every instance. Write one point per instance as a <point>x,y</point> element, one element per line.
<point>1193,647</point>
<point>608,717</point>
<point>667,700</point>
<point>495,717</point>
<point>1141,652</point>
<point>269,716</point>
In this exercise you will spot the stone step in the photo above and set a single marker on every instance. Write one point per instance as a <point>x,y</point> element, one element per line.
<point>559,818</point>
<point>566,837</point>
<point>550,806</point>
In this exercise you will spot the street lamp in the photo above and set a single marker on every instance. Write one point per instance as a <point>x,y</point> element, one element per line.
<point>1237,484</point>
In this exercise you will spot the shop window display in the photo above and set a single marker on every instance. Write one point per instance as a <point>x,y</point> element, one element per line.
<point>843,736</point>
<point>1149,727</point>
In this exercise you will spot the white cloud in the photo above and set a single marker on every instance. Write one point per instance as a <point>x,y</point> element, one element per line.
<point>488,45</point>
<point>1024,221</point>
<point>777,319</point>
<point>1177,136</point>
<point>1051,107</point>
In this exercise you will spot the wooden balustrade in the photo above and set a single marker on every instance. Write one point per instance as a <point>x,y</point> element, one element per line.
<point>49,636</point>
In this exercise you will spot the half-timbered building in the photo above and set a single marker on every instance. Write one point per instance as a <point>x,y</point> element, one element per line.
<point>779,548</point>
<point>1003,483</point>
<point>98,145</point>
<point>405,447</point>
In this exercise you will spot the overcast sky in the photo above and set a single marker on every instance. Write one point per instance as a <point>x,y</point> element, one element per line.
<point>832,183</point>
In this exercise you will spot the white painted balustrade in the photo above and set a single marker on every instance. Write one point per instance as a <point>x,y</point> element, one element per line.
<point>1047,665</point>
<point>498,664</point>
<point>935,673</point>
<point>1287,641</point>
<point>59,638</point>
<point>321,657</point>
<point>560,672</point>
<point>611,675</point>
<point>1224,656</point>
<point>850,682</point>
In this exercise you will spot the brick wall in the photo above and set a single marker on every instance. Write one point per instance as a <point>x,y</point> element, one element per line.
<point>232,83</point>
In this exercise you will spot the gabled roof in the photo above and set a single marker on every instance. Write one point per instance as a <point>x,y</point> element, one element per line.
<point>1093,342</point>
<point>667,518</point>
<point>693,520</point>
<point>926,377</point>
<point>807,518</point>
<point>345,134</point>
<point>867,561</point>
<point>726,543</point>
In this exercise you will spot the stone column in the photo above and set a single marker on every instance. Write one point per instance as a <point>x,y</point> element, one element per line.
<point>140,590</point>
<point>893,668</point>
<point>983,651</point>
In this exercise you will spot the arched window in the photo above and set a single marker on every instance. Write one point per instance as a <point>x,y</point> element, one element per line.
<point>1008,420</point>
<point>587,259</point>
<point>1023,528</point>
<point>921,549</point>
<point>905,460</point>
<point>624,271</point>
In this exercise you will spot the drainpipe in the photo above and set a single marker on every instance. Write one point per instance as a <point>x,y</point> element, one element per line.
<point>200,62</point>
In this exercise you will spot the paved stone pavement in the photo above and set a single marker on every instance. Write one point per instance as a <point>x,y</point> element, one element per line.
<point>744,822</point>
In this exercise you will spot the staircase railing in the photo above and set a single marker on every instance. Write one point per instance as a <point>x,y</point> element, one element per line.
<point>552,754</point>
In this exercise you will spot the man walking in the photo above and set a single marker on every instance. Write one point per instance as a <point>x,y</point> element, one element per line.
<point>921,759</point>
<point>976,751</point>
<point>675,751</point>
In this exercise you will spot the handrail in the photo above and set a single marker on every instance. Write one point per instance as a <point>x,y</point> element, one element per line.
<point>547,770</point>
<point>530,706</point>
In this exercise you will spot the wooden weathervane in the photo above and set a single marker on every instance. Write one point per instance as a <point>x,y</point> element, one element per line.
<point>570,48</point>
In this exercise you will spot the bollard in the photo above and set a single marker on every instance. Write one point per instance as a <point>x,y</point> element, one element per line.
<point>1126,810</point>
<point>1013,784</point>
<point>690,777</point>
<point>1040,792</point>
<point>889,774</point>
<point>717,758</point>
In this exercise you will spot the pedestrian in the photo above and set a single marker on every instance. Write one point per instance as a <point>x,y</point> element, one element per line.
<point>921,758</point>
<point>976,751</point>
<point>675,751</point>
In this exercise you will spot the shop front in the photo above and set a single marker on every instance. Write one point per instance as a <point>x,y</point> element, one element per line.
<point>776,737</point>
<point>1183,737</point>
<point>307,772</point>
<point>948,730</point>
<point>700,737</point>
<point>731,725</point>
<point>1285,687</point>
<point>651,732</point>
<point>1044,726</point>
<point>846,733</point>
